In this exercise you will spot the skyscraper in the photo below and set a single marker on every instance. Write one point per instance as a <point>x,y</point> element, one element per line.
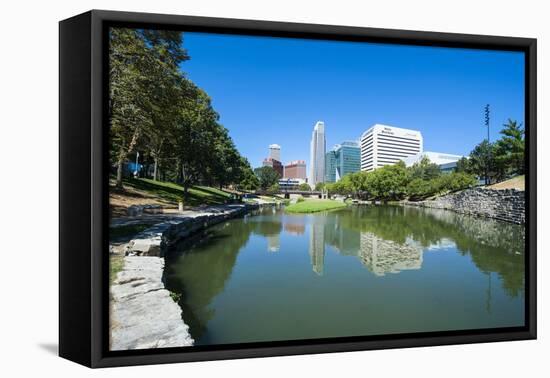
<point>345,158</point>
<point>348,159</point>
<point>296,169</point>
<point>330,165</point>
<point>275,152</point>
<point>317,154</point>
<point>383,145</point>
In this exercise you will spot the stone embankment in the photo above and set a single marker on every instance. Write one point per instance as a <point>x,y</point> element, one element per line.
<point>143,314</point>
<point>505,205</point>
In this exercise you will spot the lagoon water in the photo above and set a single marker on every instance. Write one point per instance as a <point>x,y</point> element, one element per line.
<point>357,271</point>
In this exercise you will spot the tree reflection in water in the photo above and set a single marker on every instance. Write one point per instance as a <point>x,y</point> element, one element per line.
<point>384,239</point>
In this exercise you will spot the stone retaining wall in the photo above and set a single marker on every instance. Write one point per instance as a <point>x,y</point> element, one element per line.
<point>506,205</point>
<point>143,314</point>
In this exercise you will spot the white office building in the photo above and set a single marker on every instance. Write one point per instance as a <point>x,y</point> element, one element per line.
<point>317,154</point>
<point>290,183</point>
<point>385,145</point>
<point>438,158</point>
<point>275,152</point>
<point>446,162</point>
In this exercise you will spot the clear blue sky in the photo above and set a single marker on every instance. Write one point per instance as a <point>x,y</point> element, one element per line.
<point>273,90</point>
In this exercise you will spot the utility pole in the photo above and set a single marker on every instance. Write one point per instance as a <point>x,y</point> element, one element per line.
<point>487,122</point>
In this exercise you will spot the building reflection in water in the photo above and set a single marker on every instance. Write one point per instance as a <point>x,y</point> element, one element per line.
<point>295,228</point>
<point>378,255</point>
<point>317,247</point>
<point>383,256</point>
<point>273,242</point>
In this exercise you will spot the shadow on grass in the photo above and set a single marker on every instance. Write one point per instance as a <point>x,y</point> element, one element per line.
<point>212,191</point>
<point>174,193</point>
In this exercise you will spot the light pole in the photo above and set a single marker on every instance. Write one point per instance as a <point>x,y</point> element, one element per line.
<point>487,121</point>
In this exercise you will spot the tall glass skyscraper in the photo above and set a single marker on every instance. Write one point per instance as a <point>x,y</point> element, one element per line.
<point>345,158</point>
<point>317,154</point>
<point>330,166</point>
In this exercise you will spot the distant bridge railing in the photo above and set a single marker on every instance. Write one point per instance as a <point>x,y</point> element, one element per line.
<point>294,191</point>
<point>301,192</point>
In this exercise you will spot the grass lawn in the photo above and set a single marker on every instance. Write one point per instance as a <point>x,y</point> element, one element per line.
<point>174,193</point>
<point>517,182</point>
<point>313,206</point>
<point>116,262</point>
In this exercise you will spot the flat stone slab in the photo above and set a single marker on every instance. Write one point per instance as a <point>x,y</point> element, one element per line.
<point>143,315</point>
<point>171,229</point>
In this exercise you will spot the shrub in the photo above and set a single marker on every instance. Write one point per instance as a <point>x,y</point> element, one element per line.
<point>457,181</point>
<point>300,199</point>
<point>419,189</point>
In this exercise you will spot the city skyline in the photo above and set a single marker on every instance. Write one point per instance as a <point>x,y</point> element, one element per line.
<point>439,91</point>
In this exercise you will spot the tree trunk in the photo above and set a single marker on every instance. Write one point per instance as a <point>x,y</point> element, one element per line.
<point>119,166</point>
<point>155,168</point>
<point>122,156</point>
<point>186,192</point>
<point>119,173</point>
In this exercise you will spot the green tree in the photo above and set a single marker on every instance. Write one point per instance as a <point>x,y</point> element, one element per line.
<point>143,75</point>
<point>425,169</point>
<point>510,149</point>
<point>482,162</point>
<point>196,130</point>
<point>226,166</point>
<point>267,176</point>
<point>419,189</point>
<point>456,181</point>
<point>249,181</point>
<point>304,187</point>
<point>389,182</point>
<point>273,189</point>
<point>127,110</point>
<point>463,165</point>
<point>320,186</point>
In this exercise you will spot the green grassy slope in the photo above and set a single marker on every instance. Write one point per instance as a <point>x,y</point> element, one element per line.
<point>174,193</point>
<point>312,206</point>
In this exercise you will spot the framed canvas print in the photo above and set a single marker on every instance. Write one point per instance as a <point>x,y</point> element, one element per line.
<point>234,188</point>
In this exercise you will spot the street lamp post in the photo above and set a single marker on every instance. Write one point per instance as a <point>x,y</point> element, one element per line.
<point>487,122</point>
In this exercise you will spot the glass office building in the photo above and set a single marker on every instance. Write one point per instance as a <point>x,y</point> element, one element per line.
<point>330,166</point>
<point>345,158</point>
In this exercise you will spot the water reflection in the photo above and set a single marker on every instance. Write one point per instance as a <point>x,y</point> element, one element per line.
<point>251,271</point>
<point>382,256</point>
<point>273,243</point>
<point>294,228</point>
<point>401,234</point>
<point>317,246</point>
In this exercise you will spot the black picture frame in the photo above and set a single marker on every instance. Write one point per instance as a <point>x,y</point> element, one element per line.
<point>83,182</point>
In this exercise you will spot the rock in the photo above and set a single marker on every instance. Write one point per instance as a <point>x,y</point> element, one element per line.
<point>143,315</point>
<point>506,205</point>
